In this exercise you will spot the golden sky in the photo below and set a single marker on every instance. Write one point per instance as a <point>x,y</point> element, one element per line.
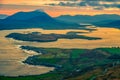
<point>61,7</point>
<point>28,2</point>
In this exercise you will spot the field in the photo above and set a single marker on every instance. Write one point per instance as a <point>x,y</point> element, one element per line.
<point>73,64</point>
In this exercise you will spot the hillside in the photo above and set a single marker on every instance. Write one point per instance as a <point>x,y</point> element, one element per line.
<point>87,18</point>
<point>104,20</point>
<point>34,19</point>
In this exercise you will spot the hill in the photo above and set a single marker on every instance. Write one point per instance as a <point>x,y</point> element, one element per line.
<point>108,23</point>
<point>88,18</point>
<point>34,19</point>
<point>3,16</point>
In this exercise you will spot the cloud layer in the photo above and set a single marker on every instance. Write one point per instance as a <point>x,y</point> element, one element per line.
<point>95,4</point>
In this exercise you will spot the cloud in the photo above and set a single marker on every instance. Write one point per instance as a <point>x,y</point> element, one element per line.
<point>66,0</point>
<point>96,4</point>
<point>88,0</point>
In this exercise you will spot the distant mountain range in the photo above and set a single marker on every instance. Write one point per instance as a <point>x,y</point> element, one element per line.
<point>115,23</point>
<point>39,19</point>
<point>88,18</point>
<point>3,16</point>
<point>34,19</point>
<point>105,20</point>
<point>108,23</point>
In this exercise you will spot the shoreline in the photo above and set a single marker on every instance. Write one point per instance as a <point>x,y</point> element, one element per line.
<point>11,60</point>
<point>12,57</point>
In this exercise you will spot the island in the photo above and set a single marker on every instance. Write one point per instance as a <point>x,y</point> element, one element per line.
<point>39,37</point>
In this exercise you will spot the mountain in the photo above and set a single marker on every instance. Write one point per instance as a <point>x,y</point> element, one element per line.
<point>112,23</point>
<point>88,19</point>
<point>115,23</point>
<point>34,19</point>
<point>37,14</point>
<point>3,16</point>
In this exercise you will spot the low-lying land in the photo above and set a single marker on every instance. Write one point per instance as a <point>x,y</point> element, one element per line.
<point>39,37</point>
<point>74,64</point>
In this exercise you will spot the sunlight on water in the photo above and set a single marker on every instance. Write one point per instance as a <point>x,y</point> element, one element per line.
<point>110,38</point>
<point>11,56</point>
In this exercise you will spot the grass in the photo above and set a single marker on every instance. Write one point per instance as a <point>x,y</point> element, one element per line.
<point>111,50</point>
<point>71,64</point>
<point>76,52</point>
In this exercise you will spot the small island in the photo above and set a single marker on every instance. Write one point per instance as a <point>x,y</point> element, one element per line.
<point>39,37</point>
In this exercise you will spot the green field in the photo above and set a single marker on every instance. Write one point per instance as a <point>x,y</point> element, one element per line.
<point>111,50</point>
<point>71,64</point>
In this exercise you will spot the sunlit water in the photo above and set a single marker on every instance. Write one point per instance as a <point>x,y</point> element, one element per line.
<point>110,38</point>
<point>11,56</point>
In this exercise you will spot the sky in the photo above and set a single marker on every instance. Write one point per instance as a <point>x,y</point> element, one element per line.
<point>62,7</point>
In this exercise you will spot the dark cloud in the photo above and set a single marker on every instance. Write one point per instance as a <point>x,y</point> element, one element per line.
<point>67,4</point>
<point>96,4</point>
<point>66,0</point>
<point>89,0</point>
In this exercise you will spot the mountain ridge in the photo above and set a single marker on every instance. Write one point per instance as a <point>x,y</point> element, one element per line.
<point>104,20</point>
<point>88,18</point>
<point>34,19</point>
<point>3,16</point>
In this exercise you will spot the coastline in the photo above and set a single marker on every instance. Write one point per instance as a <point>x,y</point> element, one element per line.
<point>11,57</point>
<point>11,60</point>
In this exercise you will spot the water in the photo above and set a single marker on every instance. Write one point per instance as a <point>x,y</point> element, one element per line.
<point>11,56</point>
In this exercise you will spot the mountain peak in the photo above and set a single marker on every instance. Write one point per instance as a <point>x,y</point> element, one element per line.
<point>38,10</point>
<point>34,19</point>
<point>3,16</point>
<point>29,15</point>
